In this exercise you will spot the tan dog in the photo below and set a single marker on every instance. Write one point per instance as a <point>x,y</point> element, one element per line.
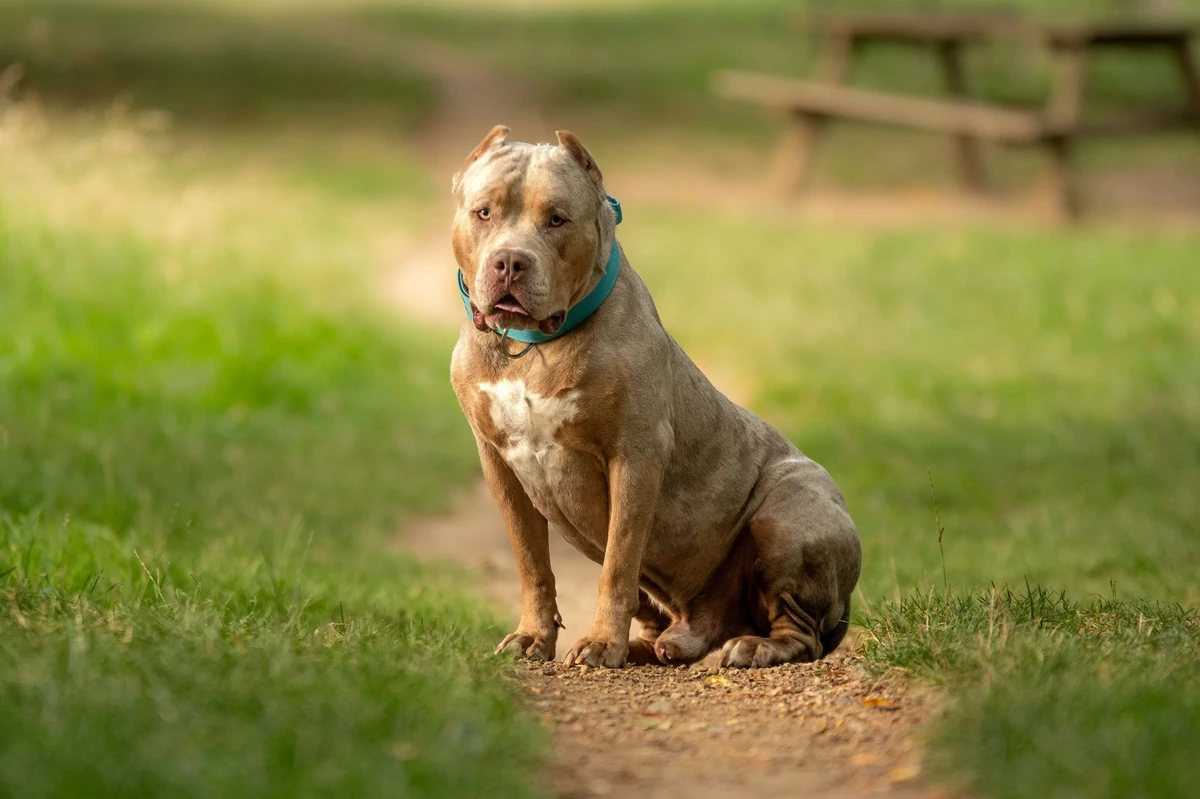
<point>712,528</point>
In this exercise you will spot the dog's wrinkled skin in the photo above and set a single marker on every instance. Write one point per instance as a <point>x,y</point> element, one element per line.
<point>712,529</point>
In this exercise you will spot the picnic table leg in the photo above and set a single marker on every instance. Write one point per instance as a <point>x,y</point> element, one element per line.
<point>970,163</point>
<point>1062,178</point>
<point>795,155</point>
<point>1067,97</point>
<point>1191,76</point>
<point>1063,114</point>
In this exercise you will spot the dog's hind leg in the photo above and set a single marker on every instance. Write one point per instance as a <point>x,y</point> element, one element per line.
<point>722,609</point>
<point>653,621</point>
<point>808,563</point>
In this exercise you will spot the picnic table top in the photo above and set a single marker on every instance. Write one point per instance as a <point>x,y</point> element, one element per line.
<point>937,26</point>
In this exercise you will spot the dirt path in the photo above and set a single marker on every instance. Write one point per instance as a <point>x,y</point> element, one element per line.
<point>698,732</point>
<point>647,731</point>
<point>705,733</point>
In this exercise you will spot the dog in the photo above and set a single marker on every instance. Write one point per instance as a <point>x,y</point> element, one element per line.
<point>711,528</point>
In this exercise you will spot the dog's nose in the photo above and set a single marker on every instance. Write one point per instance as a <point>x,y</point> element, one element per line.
<point>509,264</point>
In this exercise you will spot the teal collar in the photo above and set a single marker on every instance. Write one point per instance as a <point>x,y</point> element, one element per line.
<point>578,313</point>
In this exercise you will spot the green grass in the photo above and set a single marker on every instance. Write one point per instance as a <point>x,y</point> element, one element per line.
<point>242,673</point>
<point>1053,697</point>
<point>199,479</point>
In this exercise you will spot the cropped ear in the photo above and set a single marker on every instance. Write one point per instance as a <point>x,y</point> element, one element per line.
<point>568,142</point>
<point>495,138</point>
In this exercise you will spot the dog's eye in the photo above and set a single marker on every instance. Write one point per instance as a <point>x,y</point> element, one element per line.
<point>556,221</point>
<point>484,213</point>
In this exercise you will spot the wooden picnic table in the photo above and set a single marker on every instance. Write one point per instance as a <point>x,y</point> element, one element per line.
<point>1056,126</point>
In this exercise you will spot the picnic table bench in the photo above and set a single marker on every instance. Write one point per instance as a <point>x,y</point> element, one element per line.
<point>1055,127</point>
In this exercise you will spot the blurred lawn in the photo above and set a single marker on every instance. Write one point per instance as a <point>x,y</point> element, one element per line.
<point>193,366</point>
<point>207,438</point>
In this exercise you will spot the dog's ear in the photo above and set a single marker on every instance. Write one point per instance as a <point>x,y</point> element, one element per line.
<point>568,142</point>
<point>496,137</point>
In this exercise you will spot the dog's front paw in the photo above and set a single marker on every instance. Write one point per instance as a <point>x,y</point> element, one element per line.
<point>592,652</point>
<point>528,645</point>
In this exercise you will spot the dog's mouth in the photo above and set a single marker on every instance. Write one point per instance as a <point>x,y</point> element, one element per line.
<point>508,312</point>
<point>509,303</point>
<point>505,312</point>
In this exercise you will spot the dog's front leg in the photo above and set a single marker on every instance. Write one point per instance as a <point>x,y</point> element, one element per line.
<point>537,633</point>
<point>633,497</point>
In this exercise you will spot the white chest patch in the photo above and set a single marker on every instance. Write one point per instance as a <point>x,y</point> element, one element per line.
<point>530,422</point>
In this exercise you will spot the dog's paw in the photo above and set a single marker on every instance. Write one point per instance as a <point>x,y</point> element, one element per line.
<point>527,645</point>
<point>590,652</point>
<point>753,652</point>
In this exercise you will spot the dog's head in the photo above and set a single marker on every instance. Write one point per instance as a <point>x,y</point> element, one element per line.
<point>532,230</point>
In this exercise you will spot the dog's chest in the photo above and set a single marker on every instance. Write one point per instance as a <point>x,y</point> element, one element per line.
<point>530,424</point>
